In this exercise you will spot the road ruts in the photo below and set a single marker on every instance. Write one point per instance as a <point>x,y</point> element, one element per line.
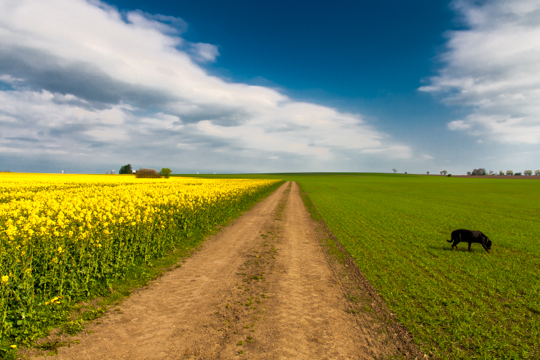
<point>308,319</point>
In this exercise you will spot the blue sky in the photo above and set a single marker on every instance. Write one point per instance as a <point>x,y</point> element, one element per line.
<point>269,86</point>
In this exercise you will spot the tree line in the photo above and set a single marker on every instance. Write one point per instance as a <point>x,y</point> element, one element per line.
<point>482,171</point>
<point>145,173</point>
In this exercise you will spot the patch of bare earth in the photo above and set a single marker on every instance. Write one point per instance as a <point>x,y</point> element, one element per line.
<point>269,286</point>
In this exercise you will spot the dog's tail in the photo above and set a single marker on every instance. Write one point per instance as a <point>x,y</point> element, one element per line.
<point>449,240</point>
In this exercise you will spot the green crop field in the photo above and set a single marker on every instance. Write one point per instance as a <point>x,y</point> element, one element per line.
<point>457,304</point>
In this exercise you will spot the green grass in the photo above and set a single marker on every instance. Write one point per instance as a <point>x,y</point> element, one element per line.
<point>457,304</point>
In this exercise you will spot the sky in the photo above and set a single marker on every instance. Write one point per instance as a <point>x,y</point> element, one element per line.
<point>87,86</point>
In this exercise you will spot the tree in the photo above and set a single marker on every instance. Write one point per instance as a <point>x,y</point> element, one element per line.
<point>444,172</point>
<point>509,172</point>
<point>126,169</point>
<point>501,172</point>
<point>536,172</point>
<point>491,172</point>
<point>165,172</point>
<point>427,172</point>
<point>468,173</point>
<point>518,174</point>
<point>528,172</point>
<point>480,171</point>
<point>394,170</point>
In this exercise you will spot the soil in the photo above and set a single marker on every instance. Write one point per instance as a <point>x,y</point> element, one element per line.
<point>274,284</point>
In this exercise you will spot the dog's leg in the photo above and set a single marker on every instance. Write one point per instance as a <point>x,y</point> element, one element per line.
<point>469,246</point>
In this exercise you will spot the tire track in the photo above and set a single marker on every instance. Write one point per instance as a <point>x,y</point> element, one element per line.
<point>309,317</point>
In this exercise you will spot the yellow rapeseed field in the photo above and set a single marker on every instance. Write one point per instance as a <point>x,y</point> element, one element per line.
<point>64,237</point>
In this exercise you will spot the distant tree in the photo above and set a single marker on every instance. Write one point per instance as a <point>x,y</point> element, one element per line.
<point>405,173</point>
<point>147,173</point>
<point>126,169</point>
<point>480,171</point>
<point>491,172</point>
<point>444,172</point>
<point>394,170</point>
<point>427,172</point>
<point>536,172</point>
<point>165,172</point>
<point>528,172</point>
<point>501,172</point>
<point>449,175</point>
<point>509,172</point>
<point>106,173</point>
<point>468,173</point>
<point>518,174</point>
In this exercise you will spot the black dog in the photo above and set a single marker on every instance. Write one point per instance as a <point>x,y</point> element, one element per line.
<point>470,236</point>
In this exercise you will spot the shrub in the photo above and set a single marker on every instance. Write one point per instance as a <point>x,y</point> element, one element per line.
<point>449,175</point>
<point>517,174</point>
<point>147,173</point>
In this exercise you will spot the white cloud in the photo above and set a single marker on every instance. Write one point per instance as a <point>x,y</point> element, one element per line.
<point>205,52</point>
<point>493,67</point>
<point>392,152</point>
<point>458,125</point>
<point>38,121</point>
<point>110,83</point>
<point>8,79</point>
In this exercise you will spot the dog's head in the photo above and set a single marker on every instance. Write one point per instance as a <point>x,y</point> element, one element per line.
<point>487,242</point>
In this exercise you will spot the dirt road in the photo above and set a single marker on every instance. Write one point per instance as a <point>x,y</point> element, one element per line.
<point>262,288</point>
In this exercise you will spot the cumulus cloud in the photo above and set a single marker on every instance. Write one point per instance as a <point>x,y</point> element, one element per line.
<point>88,80</point>
<point>493,67</point>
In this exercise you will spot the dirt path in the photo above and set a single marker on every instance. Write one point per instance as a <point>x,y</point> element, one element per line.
<point>262,288</point>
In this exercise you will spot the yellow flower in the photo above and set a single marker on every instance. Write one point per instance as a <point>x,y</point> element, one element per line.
<point>13,346</point>
<point>5,279</point>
